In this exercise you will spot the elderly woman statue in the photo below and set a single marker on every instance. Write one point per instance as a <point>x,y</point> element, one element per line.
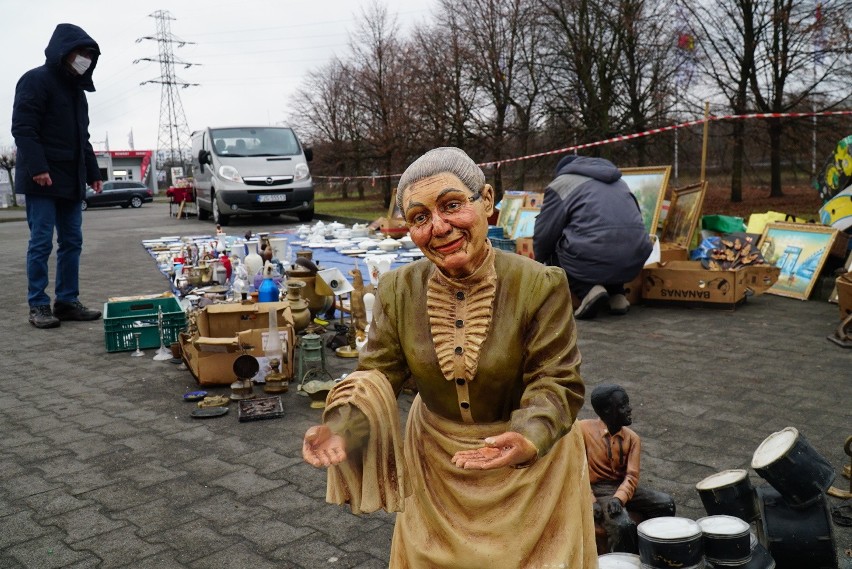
<point>490,473</point>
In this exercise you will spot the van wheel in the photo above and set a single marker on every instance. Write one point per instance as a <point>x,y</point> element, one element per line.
<point>218,217</point>
<point>203,214</point>
<point>306,215</point>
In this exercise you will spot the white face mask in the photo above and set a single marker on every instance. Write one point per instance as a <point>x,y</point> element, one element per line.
<point>81,64</point>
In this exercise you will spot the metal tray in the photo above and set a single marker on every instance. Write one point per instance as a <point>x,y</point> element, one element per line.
<point>260,408</point>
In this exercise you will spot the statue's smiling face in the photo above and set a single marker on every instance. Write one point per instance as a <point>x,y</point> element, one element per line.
<point>448,222</point>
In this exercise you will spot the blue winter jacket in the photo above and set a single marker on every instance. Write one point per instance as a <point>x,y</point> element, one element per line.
<point>50,121</point>
<point>590,224</point>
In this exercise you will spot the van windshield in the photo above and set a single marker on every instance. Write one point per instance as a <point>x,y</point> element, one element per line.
<point>273,141</point>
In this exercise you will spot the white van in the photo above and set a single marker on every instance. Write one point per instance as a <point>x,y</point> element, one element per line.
<point>246,170</point>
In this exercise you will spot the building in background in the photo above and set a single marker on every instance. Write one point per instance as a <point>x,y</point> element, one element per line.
<point>5,189</point>
<point>136,165</point>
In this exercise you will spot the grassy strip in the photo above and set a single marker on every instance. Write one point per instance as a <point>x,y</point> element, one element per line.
<point>367,209</point>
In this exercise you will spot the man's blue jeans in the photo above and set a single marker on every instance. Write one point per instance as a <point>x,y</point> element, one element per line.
<point>44,215</point>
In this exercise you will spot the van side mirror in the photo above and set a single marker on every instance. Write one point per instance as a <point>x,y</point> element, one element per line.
<point>204,157</point>
<point>309,154</point>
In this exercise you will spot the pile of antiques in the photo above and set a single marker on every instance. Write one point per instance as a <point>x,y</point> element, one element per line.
<point>256,313</point>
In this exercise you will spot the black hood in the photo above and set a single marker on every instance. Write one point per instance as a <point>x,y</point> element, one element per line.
<point>598,168</point>
<point>65,39</point>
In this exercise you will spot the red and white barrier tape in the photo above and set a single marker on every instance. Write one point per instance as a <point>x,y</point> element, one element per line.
<point>620,138</point>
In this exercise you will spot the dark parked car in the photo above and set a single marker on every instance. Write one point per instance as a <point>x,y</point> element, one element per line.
<point>125,194</point>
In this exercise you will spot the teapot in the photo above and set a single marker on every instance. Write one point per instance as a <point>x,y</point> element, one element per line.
<point>359,230</point>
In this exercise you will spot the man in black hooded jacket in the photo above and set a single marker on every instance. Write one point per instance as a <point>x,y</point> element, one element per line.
<point>55,161</point>
<point>591,226</point>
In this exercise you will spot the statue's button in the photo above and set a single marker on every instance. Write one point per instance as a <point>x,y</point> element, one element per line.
<point>459,350</point>
<point>465,405</point>
<point>460,295</point>
<point>459,323</point>
<point>460,380</point>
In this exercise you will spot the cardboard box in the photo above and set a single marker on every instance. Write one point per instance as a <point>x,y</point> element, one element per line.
<point>524,246</point>
<point>672,252</point>
<point>687,283</point>
<point>633,289</point>
<point>223,329</point>
<point>844,294</point>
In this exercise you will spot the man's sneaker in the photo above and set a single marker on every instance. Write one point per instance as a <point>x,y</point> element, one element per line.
<point>591,302</point>
<point>74,311</point>
<point>42,317</point>
<point>618,304</point>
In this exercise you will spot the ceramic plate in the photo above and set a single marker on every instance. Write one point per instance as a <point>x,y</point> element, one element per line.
<point>194,395</point>
<point>208,412</point>
<point>352,252</point>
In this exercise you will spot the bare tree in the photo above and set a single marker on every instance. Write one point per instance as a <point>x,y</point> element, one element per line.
<point>7,162</point>
<point>495,31</point>
<point>322,113</point>
<point>647,66</point>
<point>793,60</point>
<point>379,91</point>
<point>439,72</point>
<point>526,94</point>
<point>726,36</point>
<point>580,69</point>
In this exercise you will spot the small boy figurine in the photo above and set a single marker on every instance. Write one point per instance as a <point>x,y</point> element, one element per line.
<point>613,454</point>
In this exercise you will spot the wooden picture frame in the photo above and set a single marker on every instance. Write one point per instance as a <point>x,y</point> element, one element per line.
<point>800,251</point>
<point>524,223</point>
<point>684,214</point>
<point>509,207</point>
<point>648,184</point>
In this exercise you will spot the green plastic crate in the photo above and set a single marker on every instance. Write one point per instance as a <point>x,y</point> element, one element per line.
<point>125,318</point>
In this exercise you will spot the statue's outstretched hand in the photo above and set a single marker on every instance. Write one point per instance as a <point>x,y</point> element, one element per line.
<point>507,449</point>
<point>321,447</point>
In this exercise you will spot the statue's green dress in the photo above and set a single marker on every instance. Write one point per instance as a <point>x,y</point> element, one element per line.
<point>490,353</point>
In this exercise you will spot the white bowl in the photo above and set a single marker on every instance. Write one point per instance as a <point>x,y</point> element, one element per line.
<point>407,242</point>
<point>389,245</point>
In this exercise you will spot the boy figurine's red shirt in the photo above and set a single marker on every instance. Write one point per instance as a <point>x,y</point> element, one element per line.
<point>612,458</point>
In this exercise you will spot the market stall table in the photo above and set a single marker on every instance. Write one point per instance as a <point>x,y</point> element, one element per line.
<point>184,199</point>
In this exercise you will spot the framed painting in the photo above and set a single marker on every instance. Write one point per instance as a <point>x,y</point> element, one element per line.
<point>800,251</point>
<point>510,205</point>
<point>534,199</point>
<point>524,223</point>
<point>683,216</point>
<point>649,185</point>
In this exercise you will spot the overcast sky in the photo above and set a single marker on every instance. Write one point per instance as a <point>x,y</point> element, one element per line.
<point>253,55</point>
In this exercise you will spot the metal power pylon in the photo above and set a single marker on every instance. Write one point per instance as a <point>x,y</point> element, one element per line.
<point>173,142</point>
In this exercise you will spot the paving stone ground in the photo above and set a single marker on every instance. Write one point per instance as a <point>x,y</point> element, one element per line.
<point>102,466</point>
